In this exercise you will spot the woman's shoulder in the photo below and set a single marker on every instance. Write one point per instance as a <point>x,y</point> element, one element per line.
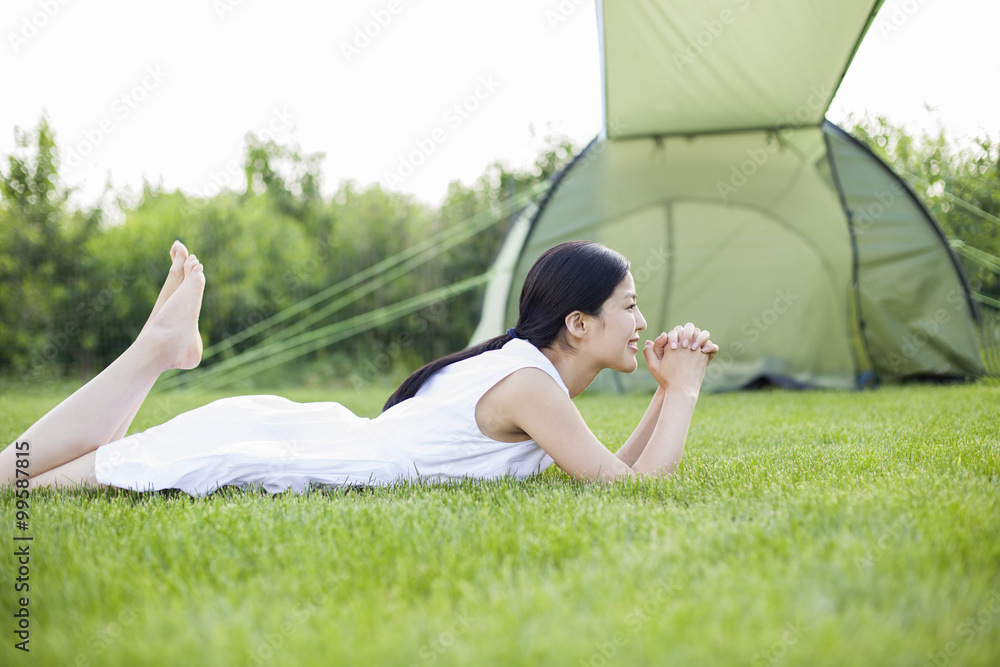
<point>529,382</point>
<point>524,355</point>
<point>522,391</point>
<point>533,380</point>
<point>476,375</point>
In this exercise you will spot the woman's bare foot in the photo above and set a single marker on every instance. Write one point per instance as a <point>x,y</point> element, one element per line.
<point>173,329</point>
<point>178,253</point>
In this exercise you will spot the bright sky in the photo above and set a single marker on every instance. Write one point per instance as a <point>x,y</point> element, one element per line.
<point>168,90</point>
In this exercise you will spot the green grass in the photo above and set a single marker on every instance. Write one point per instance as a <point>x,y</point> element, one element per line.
<point>811,528</point>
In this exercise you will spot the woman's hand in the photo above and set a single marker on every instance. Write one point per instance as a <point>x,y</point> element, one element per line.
<point>690,336</point>
<point>681,356</point>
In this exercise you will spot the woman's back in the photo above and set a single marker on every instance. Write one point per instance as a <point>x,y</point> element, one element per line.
<point>435,433</point>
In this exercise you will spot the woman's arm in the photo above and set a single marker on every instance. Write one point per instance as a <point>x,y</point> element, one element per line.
<point>540,408</point>
<point>636,443</point>
<point>678,363</point>
<point>666,444</point>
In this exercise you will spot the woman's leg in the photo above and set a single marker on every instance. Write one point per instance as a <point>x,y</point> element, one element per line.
<point>76,473</point>
<point>178,253</point>
<point>93,415</point>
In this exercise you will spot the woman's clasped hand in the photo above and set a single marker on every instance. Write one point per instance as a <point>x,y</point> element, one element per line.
<point>679,357</point>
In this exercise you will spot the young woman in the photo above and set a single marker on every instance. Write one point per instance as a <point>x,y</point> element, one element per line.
<point>500,408</point>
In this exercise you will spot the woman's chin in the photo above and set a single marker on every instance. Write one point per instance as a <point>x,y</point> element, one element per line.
<point>629,366</point>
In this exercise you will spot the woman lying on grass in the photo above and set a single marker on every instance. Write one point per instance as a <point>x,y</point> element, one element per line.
<point>501,407</point>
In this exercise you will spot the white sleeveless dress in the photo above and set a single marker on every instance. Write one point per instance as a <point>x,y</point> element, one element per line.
<point>283,445</point>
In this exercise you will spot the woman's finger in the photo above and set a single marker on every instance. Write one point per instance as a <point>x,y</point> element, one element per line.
<point>700,341</point>
<point>675,336</point>
<point>689,334</point>
<point>659,343</point>
<point>649,352</point>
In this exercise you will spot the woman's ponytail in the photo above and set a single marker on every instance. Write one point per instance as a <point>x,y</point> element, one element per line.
<point>411,384</point>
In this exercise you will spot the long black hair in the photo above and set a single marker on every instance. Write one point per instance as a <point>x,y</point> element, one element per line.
<point>576,275</point>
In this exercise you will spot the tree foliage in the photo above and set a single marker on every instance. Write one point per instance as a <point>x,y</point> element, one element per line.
<point>960,186</point>
<point>76,290</point>
<point>45,271</point>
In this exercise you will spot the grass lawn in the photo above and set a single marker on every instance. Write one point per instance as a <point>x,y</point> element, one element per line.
<point>811,528</point>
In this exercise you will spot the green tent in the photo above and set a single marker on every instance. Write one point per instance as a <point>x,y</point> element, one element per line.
<point>743,210</point>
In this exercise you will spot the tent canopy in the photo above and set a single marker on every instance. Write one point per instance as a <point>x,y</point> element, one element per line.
<point>724,65</point>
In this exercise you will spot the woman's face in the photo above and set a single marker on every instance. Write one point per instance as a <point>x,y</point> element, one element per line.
<point>617,342</point>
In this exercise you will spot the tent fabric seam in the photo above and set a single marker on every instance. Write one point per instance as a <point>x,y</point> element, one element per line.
<point>855,266</point>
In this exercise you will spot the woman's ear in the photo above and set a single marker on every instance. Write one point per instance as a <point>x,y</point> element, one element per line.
<point>576,324</point>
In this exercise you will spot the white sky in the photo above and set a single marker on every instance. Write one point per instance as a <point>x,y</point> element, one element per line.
<point>197,75</point>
